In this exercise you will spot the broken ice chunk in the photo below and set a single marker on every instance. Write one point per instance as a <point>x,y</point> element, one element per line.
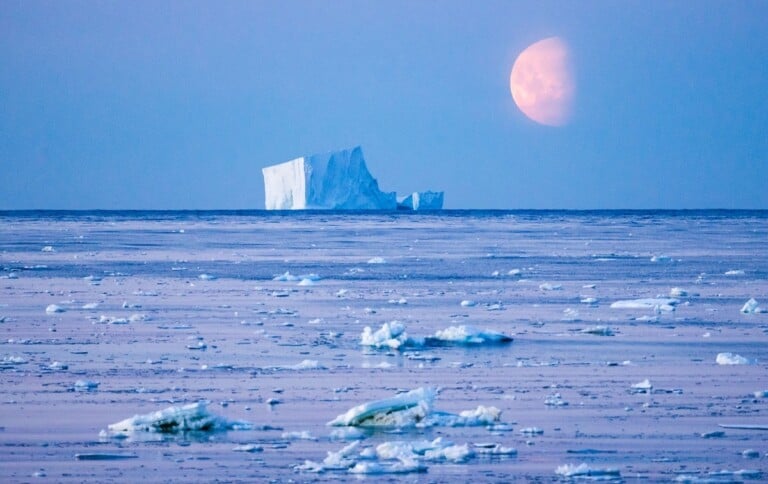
<point>54,308</point>
<point>642,387</point>
<point>403,410</point>
<point>583,470</point>
<point>732,359</point>
<point>550,287</point>
<point>85,385</point>
<point>659,304</point>
<point>466,335</point>
<point>390,335</point>
<point>194,417</point>
<point>751,307</point>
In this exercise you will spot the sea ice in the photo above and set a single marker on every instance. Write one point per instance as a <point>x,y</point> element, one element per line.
<point>642,387</point>
<point>194,417</point>
<point>659,304</point>
<point>54,308</point>
<point>468,303</point>
<point>466,335</point>
<point>393,335</point>
<point>752,307</point>
<point>377,260</point>
<point>583,470</point>
<point>732,359</point>
<point>598,330</point>
<point>550,287</point>
<point>404,410</point>
<point>390,335</point>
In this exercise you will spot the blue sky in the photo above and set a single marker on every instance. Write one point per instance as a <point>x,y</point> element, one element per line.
<point>171,105</point>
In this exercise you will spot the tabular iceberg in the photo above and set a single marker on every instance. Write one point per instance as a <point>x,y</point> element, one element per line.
<point>339,180</point>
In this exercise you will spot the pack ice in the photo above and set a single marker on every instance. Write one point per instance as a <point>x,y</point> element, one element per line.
<point>338,180</point>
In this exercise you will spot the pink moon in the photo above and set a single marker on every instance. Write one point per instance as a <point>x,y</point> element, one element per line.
<point>542,82</point>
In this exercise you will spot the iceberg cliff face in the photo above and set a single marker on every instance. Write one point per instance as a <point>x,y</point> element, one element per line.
<point>339,180</point>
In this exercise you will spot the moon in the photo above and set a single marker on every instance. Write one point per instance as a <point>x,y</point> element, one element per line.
<point>542,82</point>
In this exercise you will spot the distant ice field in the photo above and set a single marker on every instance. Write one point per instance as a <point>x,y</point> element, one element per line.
<point>636,350</point>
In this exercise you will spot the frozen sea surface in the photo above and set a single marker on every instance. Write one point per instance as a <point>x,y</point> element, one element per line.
<point>109,315</point>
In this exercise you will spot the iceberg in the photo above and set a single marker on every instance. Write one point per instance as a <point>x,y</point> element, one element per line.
<point>339,180</point>
<point>421,201</point>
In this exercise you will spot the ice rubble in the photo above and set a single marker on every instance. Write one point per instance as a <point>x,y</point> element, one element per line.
<point>194,417</point>
<point>400,456</point>
<point>393,335</point>
<point>337,180</point>
<point>413,409</point>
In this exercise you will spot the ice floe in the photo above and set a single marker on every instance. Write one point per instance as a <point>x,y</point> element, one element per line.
<point>393,335</point>
<point>413,409</point>
<point>550,287</point>
<point>658,304</point>
<point>390,335</point>
<point>732,359</point>
<point>466,335</point>
<point>194,417</point>
<point>644,386</point>
<point>598,331</point>
<point>752,307</point>
<point>467,303</point>
<point>54,308</point>
<point>583,470</point>
<point>377,260</point>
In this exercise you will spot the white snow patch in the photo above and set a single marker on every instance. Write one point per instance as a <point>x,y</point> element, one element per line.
<point>377,260</point>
